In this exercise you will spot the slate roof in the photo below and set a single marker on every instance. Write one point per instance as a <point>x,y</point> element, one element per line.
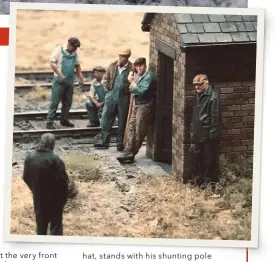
<point>213,29</point>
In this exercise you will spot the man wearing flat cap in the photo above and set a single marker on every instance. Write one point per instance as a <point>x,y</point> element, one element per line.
<point>64,61</point>
<point>143,88</point>
<point>205,132</point>
<point>96,97</point>
<point>117,99</point>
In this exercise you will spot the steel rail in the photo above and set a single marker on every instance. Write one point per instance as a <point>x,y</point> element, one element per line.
<point>65,132</point>
<point>42,74</point>
<point>86,86</point>
<point>73,114</point>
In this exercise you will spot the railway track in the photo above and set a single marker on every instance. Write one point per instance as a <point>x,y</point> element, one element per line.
<point>44,79</point>
<point>77,132</point>
<point>41,115</point>
<point>44,75</point>
<point>61,132</point>
<point>19,87</point>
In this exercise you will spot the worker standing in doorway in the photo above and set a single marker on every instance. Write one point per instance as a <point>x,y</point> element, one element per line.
<point>117,99</point>
<point>63,61</point>
<point>143,88</point>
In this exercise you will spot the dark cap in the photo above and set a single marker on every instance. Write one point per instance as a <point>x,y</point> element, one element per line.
<point>140,61</point>
<point>99,69</point>
<point>74,42</point>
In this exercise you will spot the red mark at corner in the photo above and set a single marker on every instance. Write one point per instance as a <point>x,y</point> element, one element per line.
<point>246,255</point>
<point>4,36</point>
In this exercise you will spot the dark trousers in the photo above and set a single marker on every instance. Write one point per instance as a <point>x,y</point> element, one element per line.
<point>205,161</point>
<point>54,218</point>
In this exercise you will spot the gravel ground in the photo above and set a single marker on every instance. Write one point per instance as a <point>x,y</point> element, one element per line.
<point>4,4</point>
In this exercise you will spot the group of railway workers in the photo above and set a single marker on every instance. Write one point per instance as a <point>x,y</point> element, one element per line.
<point>110,96</point>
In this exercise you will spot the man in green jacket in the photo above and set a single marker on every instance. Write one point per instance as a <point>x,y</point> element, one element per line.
<point>64,61</point>
<point>205,132</point>
<point>96,97</point>
<point>117,99</point>
<point>143,88</point>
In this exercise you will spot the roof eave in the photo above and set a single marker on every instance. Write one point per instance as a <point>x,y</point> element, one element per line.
<point>183,47</point>
<point>145,27</point>
<point>146,21</point>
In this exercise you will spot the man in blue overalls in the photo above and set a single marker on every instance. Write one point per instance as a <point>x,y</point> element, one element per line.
<point>117,99</point>
<point>63,61</point>
<point>96,97</point>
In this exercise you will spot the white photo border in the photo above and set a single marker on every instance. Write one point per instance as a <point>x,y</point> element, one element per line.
<point>253,243</point>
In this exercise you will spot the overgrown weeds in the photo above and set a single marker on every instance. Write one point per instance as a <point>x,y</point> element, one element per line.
<point>161,206</point>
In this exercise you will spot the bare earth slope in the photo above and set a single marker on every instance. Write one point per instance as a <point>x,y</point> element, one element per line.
<point>101,35</point>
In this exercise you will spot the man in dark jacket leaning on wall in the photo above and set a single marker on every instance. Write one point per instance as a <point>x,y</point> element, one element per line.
<point>205,132</point>
<point>45,175</point>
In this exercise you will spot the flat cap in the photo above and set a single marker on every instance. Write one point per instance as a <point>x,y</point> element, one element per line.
<point>99,69</point>
<point>125,51</point>
<point>200,79</point>
<point>74,41</point>
<point>140,61</point>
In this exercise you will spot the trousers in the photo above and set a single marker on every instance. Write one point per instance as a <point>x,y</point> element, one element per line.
<point>204,158</point>
<point>138,125</point>
<point>54,219</point>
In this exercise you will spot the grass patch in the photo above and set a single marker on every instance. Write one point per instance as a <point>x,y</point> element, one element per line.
<point>173,210</point>
<point>83,167</point>
<point>158,207</point>
<point>39,93</point>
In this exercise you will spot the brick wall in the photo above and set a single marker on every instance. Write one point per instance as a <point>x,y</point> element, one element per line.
<point>163,27</point>
<point>232,70</point>
<point>238,104</point>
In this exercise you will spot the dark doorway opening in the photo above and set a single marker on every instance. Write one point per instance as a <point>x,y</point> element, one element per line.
<point>164,109</point>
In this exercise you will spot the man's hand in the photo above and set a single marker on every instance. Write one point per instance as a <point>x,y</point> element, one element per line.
<point>131,77</point>
<point>81,80</point>
<point>61,76</point>
<point>54,68</point>
<point>98,104</point>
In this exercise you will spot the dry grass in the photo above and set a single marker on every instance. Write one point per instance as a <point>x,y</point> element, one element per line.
<point>101,35</point>
<point>153,206</point>
<point>39,93</point>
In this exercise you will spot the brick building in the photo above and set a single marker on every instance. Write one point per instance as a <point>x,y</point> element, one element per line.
<point>224,48</point>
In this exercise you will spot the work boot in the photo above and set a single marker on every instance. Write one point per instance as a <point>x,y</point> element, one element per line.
<point>50,126</point>
<point>101,145</point>
<point>66,123</point>
<point>127,156</point>
<point>96,124</point>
